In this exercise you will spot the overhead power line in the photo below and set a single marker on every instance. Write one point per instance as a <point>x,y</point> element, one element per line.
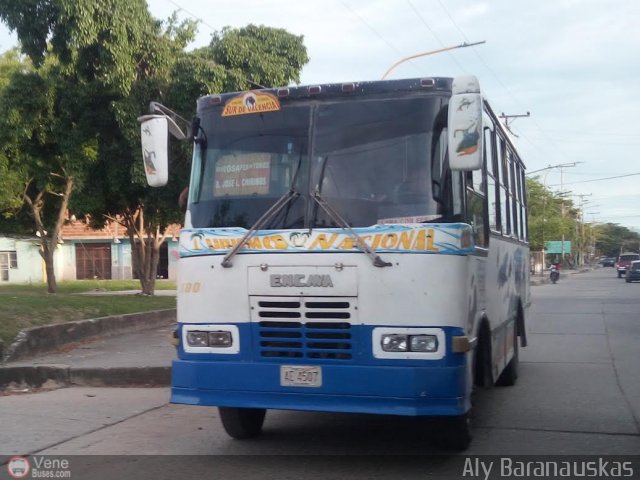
<point>424,22</point>
<point>597,179</point>
<point>501,83</point>
<point>376,33</point>
<point>192,15</point>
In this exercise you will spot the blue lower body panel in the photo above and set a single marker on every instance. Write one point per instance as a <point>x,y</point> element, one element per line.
<point>393,390</point>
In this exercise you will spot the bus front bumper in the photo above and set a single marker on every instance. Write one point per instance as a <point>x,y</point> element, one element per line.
<point>391,390</point>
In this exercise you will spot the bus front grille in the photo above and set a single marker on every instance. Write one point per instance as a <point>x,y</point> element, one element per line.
<point>302,328</point>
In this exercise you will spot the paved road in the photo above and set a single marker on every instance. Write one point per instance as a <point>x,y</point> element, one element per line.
<point>578,393</point>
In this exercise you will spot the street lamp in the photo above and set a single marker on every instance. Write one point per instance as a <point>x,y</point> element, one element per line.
<point>560,165</point>
<point>431,52</point>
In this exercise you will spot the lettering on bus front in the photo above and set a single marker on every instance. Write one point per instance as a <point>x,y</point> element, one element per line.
<point>414,240</point>
<point>300,280</point>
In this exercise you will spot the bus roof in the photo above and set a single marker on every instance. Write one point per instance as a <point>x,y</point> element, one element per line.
<point>335,90</point>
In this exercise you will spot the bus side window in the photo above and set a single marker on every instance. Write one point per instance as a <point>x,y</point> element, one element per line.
<point>505,217</point>
<point>493,207</point>
<point>476,213</point>
<point>476,216</point>
<point>456,194</point>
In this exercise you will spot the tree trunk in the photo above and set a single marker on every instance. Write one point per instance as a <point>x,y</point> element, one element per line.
<point>145,249</point>
<point>50,243</point>
<point>47,255</point>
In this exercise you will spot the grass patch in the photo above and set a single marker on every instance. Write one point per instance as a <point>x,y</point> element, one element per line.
<point>24,306</point>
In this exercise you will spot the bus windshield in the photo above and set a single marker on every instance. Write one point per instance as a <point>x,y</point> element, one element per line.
<point>374,161</point>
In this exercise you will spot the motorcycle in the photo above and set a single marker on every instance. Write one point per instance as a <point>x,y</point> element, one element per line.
<point>554,275</point>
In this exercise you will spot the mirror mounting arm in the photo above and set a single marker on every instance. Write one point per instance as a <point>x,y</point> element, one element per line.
<point>174,118</point>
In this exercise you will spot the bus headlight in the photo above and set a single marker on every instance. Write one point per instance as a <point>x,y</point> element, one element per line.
<point>220,339</point>
<point>423,343</point>
<point>394,342</point>
<point>198,339</point>
<point>215,338</point>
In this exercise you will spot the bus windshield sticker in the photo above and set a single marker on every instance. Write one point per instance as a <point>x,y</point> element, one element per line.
<point>243,174</point>
<point>414,219</point>
<point>251,102</point>
<point>453,238</point>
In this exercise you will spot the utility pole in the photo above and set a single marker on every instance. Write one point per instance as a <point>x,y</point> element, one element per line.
<point>562,213</point>
<point>582,241</point>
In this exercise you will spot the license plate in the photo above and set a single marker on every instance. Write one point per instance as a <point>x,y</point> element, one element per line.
<point>300,376</point>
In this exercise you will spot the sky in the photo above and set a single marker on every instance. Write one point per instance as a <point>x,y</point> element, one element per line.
<point>572,64</point>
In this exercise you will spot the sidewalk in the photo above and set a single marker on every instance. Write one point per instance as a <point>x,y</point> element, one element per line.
<point>94,353</point>
<point>137,358</point>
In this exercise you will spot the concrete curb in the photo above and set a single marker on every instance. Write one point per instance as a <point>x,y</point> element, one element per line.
<point>48,338</point>
<point>64,376</point>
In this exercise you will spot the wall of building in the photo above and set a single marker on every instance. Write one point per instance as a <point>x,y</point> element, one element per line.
<point>30,264</point>
<point>67,270</point>
<point>121,268</point>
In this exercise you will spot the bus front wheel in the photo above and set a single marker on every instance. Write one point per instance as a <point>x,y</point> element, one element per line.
<point>242,423</point>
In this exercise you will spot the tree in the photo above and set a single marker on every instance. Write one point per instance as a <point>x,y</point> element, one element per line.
<point>146,212</point>
<point>547,222</point>
<point>43,151</point>
<point>86,54</point>
<point>551,217</point>
<point>611,239</point>
<point>12,175</point>
<point>111,58</point>
<point>258,56</point>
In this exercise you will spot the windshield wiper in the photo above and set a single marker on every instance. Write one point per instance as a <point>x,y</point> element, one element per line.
<point>342,223</point>
<point>283,201</point>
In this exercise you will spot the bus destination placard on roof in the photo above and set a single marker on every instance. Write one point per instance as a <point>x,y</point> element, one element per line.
<point>251,102</point>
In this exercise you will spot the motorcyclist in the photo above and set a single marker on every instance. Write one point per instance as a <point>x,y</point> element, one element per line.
<point>554,274</point>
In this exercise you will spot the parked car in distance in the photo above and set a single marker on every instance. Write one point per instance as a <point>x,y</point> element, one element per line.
<point>608,262</point>
<point>633,272</point>
<point>624,260</point>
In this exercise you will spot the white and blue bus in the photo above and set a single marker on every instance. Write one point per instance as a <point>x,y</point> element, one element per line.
<point>355,247</point>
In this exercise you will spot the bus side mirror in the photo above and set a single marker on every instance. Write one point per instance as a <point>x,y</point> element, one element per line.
<point>154,131</point>
<point>465,124</point>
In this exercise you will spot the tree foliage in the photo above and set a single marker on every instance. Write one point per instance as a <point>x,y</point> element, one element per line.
<point>258,56</point>
<point>12,175</point>
<point>119,177</point>
<point>86,54</point>
<point>551,216</point>
<point>97,65</point>
<point>42,149</point>
<point>612,239</point>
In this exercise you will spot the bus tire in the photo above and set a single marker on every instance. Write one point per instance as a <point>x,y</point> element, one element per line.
<point>509,375</point>
<point>242,423</point>
<point>483,372</point>
<point>457,432</point>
